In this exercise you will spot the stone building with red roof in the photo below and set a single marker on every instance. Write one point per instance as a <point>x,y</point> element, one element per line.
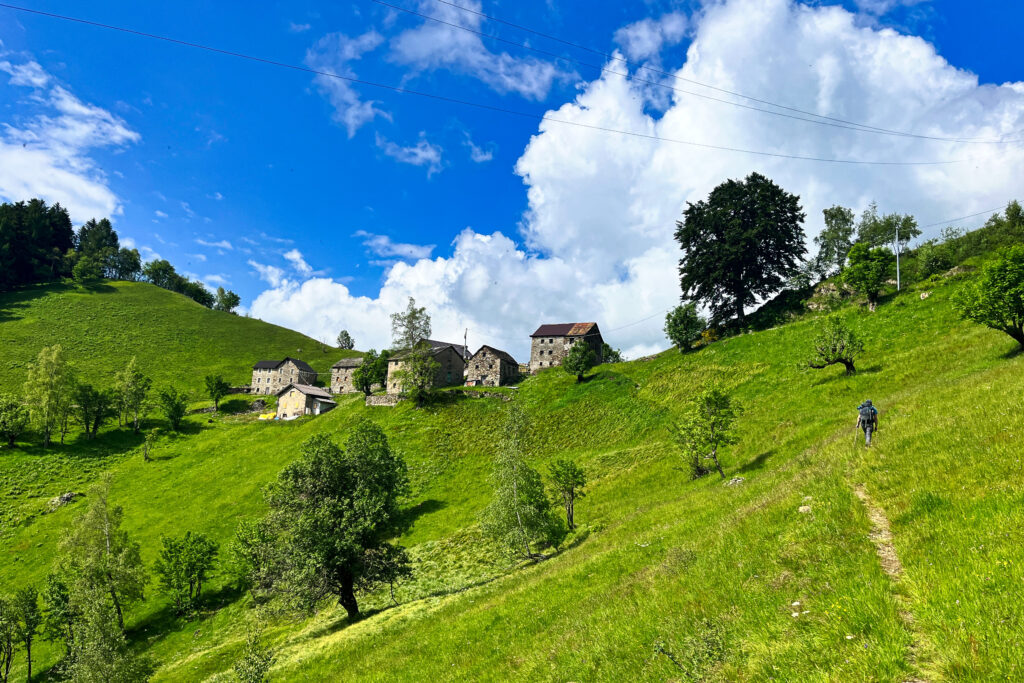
<point>551,342</point>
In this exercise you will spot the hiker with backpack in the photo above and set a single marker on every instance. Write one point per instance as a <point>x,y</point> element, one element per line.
<point>867,419</point>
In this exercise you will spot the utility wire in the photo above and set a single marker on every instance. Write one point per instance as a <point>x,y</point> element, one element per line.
<point>847,124</point>
<point>478,105</point>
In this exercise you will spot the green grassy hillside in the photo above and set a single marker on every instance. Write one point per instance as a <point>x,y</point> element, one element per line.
<point>666,579</point>
<point>175,339</point>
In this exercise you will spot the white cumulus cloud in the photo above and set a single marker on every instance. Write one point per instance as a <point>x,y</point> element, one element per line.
<point>48,154</point>
<point>333,54</point>
<point>596,240</point>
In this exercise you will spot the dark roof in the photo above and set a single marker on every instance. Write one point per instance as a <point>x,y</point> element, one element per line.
<point>436,347</point>
<point>459,348</point>
<point>349,362</point>
<point>274,364</point>
<point>308,390</point>
<point>565,330</point>
<point>504,355</point>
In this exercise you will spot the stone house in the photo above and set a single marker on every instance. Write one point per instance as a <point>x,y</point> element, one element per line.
<point>341,375</point>
<point>551,342</point>
<point>296,400</point>
<point>491,367</point>
<point>270,376</point>
<point>451,369</point>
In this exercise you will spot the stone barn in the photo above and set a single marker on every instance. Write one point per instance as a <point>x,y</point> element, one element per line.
<point>296,400</point>
<point>491,367</point>
<point>451,360</point>
<point>270,376</point>
<point>341,375</point>
<point>551,342</point>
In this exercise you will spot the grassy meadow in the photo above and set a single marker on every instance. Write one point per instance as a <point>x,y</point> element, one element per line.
<point>664,579</point>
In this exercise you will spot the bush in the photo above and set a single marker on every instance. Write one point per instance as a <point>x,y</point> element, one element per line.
<point>932,258</point>
<point>996,298</point>
<point>835,343</point>
<point>684,326</point>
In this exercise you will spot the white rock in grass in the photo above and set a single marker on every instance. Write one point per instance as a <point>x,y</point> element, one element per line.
<point>804,509</point>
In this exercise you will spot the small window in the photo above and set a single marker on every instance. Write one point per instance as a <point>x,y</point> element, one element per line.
<point>551,341</point>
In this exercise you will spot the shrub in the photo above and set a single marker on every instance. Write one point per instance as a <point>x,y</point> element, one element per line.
<point>868,269</point>
<point>684,326</point>
<point>996,298</point>
<point>835,343</point>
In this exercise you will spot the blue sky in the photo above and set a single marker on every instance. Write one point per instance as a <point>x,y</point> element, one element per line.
<point>324,205</point>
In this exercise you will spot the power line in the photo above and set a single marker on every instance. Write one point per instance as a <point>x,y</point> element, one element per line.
<point>660,84</point>
<point>960,218</point>
<point>478,105</point>
<point>853,125</point>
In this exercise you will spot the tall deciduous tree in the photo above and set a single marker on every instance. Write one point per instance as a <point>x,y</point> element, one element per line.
<point>216,388</point>
<point>332,512</point>
<point>742,244</point>
<point>173,404</point>
<point>226,300</point>
<point>28,619</point>
<point>683,326</point>
<point>835,241</point>
<point>48,391</point>
<point>59,614</point>
<point>409,327</point>
<point>418,374</point>
<point>568,479</point>
<point>8,637</point>
<point>133,389</point>
<point>183,566</point>
<point>707,426</point>
<point>93,407</point>
<point>883,230</point>
<point>581,357</point>
<point>869,269</point>
<point>100,559</point>
<point>345,341</point>
<point>100,651</point>
<point>519,516</point>
<point>13,418</point>
<point>835,343</point>
<point>996,298</point>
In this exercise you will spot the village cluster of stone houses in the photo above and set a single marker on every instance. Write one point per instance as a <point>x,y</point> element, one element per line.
<point>292,380</point>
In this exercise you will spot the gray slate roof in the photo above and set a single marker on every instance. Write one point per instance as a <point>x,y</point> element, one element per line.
<point>504,355</point>
<point>308,390</point>
<point>349,362</point>
<point>274,364</point>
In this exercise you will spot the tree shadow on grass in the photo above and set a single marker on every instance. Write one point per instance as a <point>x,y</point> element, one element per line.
<point>1013,353</point>
<point>165,621</point>
<point>869,370</point>
<point>757,463</point>
<point>407,517</point>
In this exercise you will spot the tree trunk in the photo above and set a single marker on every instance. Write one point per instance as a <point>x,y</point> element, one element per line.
<point>347,598</point>
<point>848,364</point>
<point>1017,333</point>
<point>568,511</point>
<point>28,659</point>
<point>117,607</point>
<point>10,440</point>
<point>579,378</point>
<point>718,466</point>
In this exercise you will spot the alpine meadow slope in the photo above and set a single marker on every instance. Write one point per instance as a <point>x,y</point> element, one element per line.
<point>664,578</point>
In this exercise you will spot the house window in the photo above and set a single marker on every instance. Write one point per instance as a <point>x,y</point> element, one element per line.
<point>551,341</point>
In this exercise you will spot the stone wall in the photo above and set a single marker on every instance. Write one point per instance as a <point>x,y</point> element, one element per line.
<point>271,381</point>
<point>451,370</point>
<point>387,400</point>
<point>546,352</point>
<point>341,381</point>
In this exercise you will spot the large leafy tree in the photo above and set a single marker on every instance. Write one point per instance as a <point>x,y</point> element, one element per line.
<point>581,357</point>
<point>835,343</point>
<point>869,269</point>
<point>100,652</point>
<point>331,514</point>
<point>835,241</point>
<point>519,516</point>
<point>418,374</point>
<point>226,300</point>
<point>409,327</point>
<point>683,326</point>
<point>48,391</point>
<point>372,371</point>
<point>34,239</point>
<point>183,566</point>
<point>877,230</point>
<point>29,619</point>
<point>739,245</point>
<point>93,407</point>
<point>345,341</point>
<point>59,613</point>
<point>100,559</point>
<point>132,390</point>
<point>996,298</point>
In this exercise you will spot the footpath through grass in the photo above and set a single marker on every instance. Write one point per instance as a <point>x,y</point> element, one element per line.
<point>665,578</point>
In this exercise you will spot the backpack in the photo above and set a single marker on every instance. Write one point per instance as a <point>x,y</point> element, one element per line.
<point>867,415</point>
